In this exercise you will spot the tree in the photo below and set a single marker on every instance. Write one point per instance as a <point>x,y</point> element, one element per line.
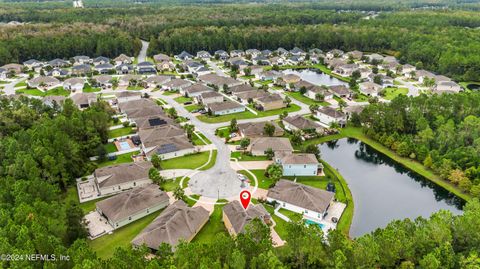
<point>269,129</point>
<point>75,227</point>
<point>233,125</point>
<point>296,137</point>
<point>172,113</point>
<point>312,148</point>
<point>269,153</point>
<point>156,161</point>
<point>179,193</point>
<point>287,101</point>
<point>303,90</point>
<point>313,108</point>
<point>155,176</point>
<point>283,115</point>
<point>244,143</point>
<point>319,97</point>
<point>274,172</point>
<point>189,129</point>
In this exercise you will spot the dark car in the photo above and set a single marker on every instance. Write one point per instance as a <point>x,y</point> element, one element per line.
<point>188,103</point>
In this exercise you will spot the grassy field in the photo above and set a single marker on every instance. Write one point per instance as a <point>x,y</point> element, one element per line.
<point>110,147</point>
<point>302,98</point>
<point>135,88</point>
<point>247,115</point>
<point>57,91</point>
<point>392,92</point>
<point>120,132</point>
<point>169,93</point>
<point>263,181</point>
<point>190,108</point>
<point>106,245</point>
<point>213,227</point>
<point>171,184</point>
<point>122,158</point>
<point>88,88</point>
<point>239,155</point>
<point>32,92</point>
<point>21,84</point>
<point>212,161</point>
<point>192,161</point>
<point>198,142</point>
<point>183,99</point>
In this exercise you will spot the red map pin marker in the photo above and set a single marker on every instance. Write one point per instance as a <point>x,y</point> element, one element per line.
<point>245,197</point>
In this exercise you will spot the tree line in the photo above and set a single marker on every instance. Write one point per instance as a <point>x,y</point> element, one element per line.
<point>440,131</point>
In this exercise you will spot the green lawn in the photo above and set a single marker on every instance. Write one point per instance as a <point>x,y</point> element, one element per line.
<point>187,162</point>
<point>198,142</point>
<point>135,88</point>
<point>192,202</point>
<point>21,84</point>
<point>223,132</point>
<point>106,245</point>
<point>183,99</point>
<point>263,181</point>
<point>391,93</point>
<point>213,227</point>
<point>4,82</point>
<point>241,156</point>
<point>172,184</point>
<point>88,88</point>
<point>190,108</point>
<point>120,132</point>
<point>302,98</point>
<point>264,82</point>
<point>212,161</point>
<point>122,158</point>
<point>291,215</point>
<point>72,195</point>
<point>281,225</point>
<point>247,115</point>
<point>169,92</point>
<point>110,147</point>
<point>57,91</point>
<point>33,92</point>
<point>248,77</point>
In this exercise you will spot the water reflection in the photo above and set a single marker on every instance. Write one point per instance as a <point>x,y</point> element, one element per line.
<point>315,76</point>
<point>382,189</point>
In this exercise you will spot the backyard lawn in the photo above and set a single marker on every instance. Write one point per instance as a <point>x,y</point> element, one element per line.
<point>110,147</point>
<point>188,162</point>
<point>33,92</point>
<point>57,91</point>
<point>88,88</point>
<point>120,132</point>
<point>122,158</point>
<point>106,245</point>
<point>213,227</point>
<point>171,184</point>
<point>302,98</point>
<point>72,195</point>
<point>391,93</point>
<point>183,99</point>
<point>247,115</point>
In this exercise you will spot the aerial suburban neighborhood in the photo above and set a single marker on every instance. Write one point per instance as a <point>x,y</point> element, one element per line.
<point>165,152</point>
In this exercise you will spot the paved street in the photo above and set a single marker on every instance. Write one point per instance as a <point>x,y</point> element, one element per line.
<point>142,55</point>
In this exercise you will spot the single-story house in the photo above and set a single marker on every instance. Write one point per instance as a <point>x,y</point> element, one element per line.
<point>222,55</point>
<point>297,51</point>
<point>101,60</point>
<point>124,69</point>
<point>127,79</point>
<point>241,89</point>
<point>327,115</point>
<point>154,121</point>
<point>302,84</point>
<point>161,57</point>
<point>237,53</point>
<point>236,218</point>
<point>298,164</point>
<point>82,59</point>
<point>341,91</point>
<point>123,59</point>
<point>184,56</point>
<point>126,96</point>
<point>294,123</point>
<point>322,90</point>
<point>335,53</point>
<point>244,97</point>
<point>3,73</point>
<point>33,64</point>
<point>195,90</point>
<point>269,102</point>
<point>43,82</point>
<point>277,60</point>
<point>219,81</point>
<point>302,199</point>
<point>224,108</point>
<point>422,75</point>
<point>287,79</point>
<point>448,86</point>
<point>131,105</point>
<point>84,99</point>
<point>370,88</point>
<point>146,68</point>
<point>74,84</point>
<point>157,81</point>
<point>253,52</point>
<point>407,69</point>
<point>178,222</point>
<point>355,55</point>
<point>120,177</point>
<point>259,145</point>
<point>281,51</point>
<point>81,69</point>
<point>374,57</point>
<point>104,68</point>
<point>57,72</point>
<point>346,70</point>
<point>385,80</point>
<point>58,63</point>
<point>165,66</point>
<point>257,129</point>
<point>167,142</point>
<point>127,207</point>
<point>269,75</point>
<point>176,84</point>
<point>103,81</point>
<point>15,68</point>
<point>204,55</point>
<point>209,97</point>
<point>53,100</point>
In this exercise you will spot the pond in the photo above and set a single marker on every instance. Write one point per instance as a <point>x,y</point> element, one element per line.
<point>382,189</point>
<point>315,76</point>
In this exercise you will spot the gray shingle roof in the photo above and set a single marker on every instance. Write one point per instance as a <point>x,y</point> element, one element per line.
<point>239,217</point>
<point>122,173</point>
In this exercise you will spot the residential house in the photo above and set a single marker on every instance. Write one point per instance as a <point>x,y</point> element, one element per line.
<point>365,72</point>
<point>341,91</point>
<point>140,112</point>
<point>54,100</point>
<point>299,123</point>
<point>391,66</point>
<point>328,115</point>
<point>131,105</point>
<point>390,59</point>
<point>222,55</point>
<point>155,121</point>
<point>3,73</point>
<point>309,201</point>
<point>370,88</point>
<point>123,59</point>
<point>295,59</point>
<point>282,51</point>
<point>165,66</point>
<point>257,129</point>
<point>448,86</point>
<point>83,99</point>
<point>346,70</point>
<point>101,60</point>
<point>335,53</point>
<point>13,68</point>
<point>237,53</point>
<point>319,91</point>
<point>335,62</point>
<point>247,97</point>
<point>266,53</point>
<point>176,84</point>
<point>253,52</point>
<point>43,82</point>
<point>202,70</point>
<point>104,81</point>
<point>195,90</point>
<point>385,80</point>
<point>224,108</point>
<point>125,68</point>
<point>146,68</point>
<point>355,55</point>
<point>58,63</point>
<point>253,70</point>
<point>129,79</point>
<point>287,79</point>
<point>127,207</point>
<point>57,72</point>
<point>297,51</point>
<point>236,218</point>
<point>167,142</point>
<point>33,64</point>
<point>407,69</point>
<point>106,68</point>
<point>120,177</point>
<point>209,97</point>
<point>205,55</point>
<point>260,145</point>
<point>81,59</point>
<point>241,88</point>
<point>126,96</point>
<point>184,56</point>
<point>441,78</point>
<point>219,81</point>
<point>374,57</point>
<point>269,102</point>
<point>269,75</point>
<point>277,61</point>
<point>81,69</point>
<point>74,84</point>
<point>161,58</point>
<point>422,75</point>
<point>261,60</point>
<point>297,86</point>
<point>298,164</point>
<point>157,81</point>
<point>177,223</point>
<point>350,110</point>
<point>242,64</point>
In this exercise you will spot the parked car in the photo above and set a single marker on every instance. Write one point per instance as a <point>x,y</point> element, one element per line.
<point>232,135</point>
<point>187,103</point>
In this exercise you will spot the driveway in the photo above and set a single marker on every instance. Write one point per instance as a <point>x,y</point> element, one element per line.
<point>142,55</point>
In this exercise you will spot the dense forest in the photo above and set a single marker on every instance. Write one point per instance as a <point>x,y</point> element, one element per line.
<point>43,149</point>
<point>440,131</point>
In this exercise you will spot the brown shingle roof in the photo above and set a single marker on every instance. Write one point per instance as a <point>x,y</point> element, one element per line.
<point>122,173</point>
<point>253,129</point>
<point>177,222</point>
<point>220,106</point>
<point>274,143</point>
<point>301,195</point>
<point>151,137</point>
<point>239,217</point>
<point>301,122</point>
<point>126,204</point>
